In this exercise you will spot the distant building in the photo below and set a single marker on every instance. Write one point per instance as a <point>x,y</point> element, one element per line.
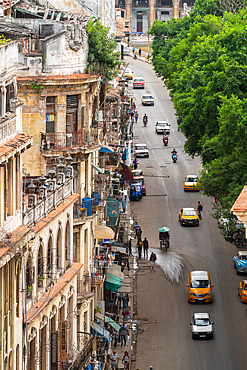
<point>142,13</point>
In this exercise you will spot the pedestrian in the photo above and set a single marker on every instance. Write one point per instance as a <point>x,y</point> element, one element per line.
<point>140,52</point>
<point>199,209</point>
<point>120,299</point>
<point>136,227</point>
<point>114,360</point>
<point>126,360</point>
<point>130,247</point>
<point>140,249</point>
<point>139,233</point>
<point>123,331</point>
<point>126,300</point>
<point>152,260</point>
<point>135,163</point>
<point>134,105</point>
<point>133,49</point>
<point>115,338</point>
<point>145,247</point>
<point>136,117</point>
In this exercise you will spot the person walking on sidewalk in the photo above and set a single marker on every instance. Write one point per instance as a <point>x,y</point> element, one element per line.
<point>135,163</point>
<point>123,334</point>
<point>140,52</point>
<point>136,117</point>
<point>130,248</point>
<point>199,209</point>
<point>126,360</point>
<point>136,227</point>
<point>152,260</point>
<point>139,249</point>
<point>114,360</point>
<point>145,247</point>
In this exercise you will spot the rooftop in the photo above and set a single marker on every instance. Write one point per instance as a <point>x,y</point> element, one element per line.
<point>17,144</point>
<point>241,203</point>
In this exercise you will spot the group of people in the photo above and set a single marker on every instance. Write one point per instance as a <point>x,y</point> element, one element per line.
<point>135,52</point>
<point>144,245</point>
<point>125,361</point>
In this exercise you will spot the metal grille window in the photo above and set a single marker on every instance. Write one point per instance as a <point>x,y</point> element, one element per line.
<point>10,94</point>
<point>50,114</point>
<point>71,102</point>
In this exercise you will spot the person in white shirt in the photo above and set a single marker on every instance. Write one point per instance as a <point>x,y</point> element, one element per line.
<point>114,360</point>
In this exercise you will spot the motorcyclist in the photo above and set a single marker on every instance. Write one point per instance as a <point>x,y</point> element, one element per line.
<point>174,152</point>
<point>165,139</point>
<point>145,119</point>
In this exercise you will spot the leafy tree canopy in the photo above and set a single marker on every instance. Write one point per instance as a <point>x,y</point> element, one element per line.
<point>203,61</point>
<point>101,57</point>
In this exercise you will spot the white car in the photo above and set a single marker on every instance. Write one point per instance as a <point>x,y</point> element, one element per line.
<point>201,326</point>
<point>162,127</point>
<point>141,150</point>
<point>147,100</point>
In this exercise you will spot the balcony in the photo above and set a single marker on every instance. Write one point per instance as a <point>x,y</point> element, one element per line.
<point>85,346</point>
<point>65,140</point>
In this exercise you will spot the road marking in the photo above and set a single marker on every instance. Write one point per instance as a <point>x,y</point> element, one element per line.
<point>148,142</point>
<point>152,151</point>
<point>172,130</point>
<point>179,141</point>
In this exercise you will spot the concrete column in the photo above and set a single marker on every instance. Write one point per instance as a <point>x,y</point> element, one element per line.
<point>128,8</point>
<point>176,9</point>
<point>152,4</point>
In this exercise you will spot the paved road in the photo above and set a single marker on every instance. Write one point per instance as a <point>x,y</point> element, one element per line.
<point>163,297</point>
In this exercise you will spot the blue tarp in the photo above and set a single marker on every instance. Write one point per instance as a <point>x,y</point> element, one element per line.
<point>97,329</point>
<point>104,149</point>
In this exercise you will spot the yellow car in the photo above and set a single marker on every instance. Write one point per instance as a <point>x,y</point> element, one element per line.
<point>128,74</point>
<point>188,216</point>
<point>199,287</point>
<point>242,291</point>
<point>191,183</point>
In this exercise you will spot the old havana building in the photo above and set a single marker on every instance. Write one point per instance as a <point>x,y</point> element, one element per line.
<point>142,13</point>
<point>56,197</point>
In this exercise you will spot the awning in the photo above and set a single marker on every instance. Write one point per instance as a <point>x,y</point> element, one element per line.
<point>113,270</point>
<point>98,330</point>
<point>103,232</point>
<point>105,149</point>
<point>113,282</point>
<point>100,170</point>
<point>107,319</point>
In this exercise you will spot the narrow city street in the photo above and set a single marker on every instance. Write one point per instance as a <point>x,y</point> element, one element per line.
<point>162,295</point>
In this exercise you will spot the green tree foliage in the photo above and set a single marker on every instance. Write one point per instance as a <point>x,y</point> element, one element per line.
<point>101,58</point>
<point>203,61</point>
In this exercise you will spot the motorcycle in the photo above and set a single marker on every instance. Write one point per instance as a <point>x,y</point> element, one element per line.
<point>165,141</point>
<point>174,157</point>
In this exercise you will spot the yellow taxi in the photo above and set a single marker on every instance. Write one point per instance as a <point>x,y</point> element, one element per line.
<point>242,291</point>
<point>199,287</point>
<point>188,216</point>
<point>191,183</point>
<point>128,74</point>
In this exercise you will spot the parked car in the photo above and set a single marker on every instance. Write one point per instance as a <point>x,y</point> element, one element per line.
<point>162,127</point>
<point>128,74</point>
<point>191,183</point>
<point>147,100</point>
<point>240,262</point>
<point>242,291</point>
<point>201,326</point>
<point>188,216</point>
<point>140,180</point>
<point>137,173</point>
<point>138,82</point>
<point>199,287</point>
<point>135,192</point>
<point>141,150</point>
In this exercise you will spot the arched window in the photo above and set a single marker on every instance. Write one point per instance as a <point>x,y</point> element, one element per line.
<point>49,258</point>
<point>29,277</point>
<point>59,249</point>
<point>67,246</point>
<point>40,267</point>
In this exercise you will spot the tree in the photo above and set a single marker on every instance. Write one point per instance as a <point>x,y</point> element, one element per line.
<point>102,57</point>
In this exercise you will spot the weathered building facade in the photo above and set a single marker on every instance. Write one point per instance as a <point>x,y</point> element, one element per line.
<point>142,13</point>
